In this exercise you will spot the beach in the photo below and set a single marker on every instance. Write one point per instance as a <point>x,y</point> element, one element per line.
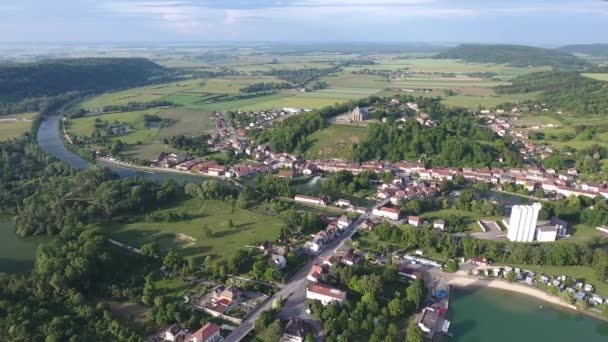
<point>513,287</point>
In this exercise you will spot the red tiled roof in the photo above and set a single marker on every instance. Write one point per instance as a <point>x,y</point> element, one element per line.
<point>326,290</point>
<point>206,331</point>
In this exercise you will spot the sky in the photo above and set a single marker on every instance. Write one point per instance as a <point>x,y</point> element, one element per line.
<point>541,22</point>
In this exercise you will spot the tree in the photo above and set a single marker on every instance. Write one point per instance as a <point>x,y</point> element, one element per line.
<point>272,333</point>
<point>415,292</point>
<point>390,273</point>
<point>451,266</point>
<point>370,284</point>
<point>173,261</point>
<point>414,333</point>
<point>207,231</point>
<point>150,249</point>
<point>510,276</point>
<point>230,224</point>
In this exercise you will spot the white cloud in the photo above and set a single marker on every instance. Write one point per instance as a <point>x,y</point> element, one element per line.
<point>179,16</point>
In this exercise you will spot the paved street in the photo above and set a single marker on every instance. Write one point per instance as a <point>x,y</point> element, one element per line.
<point>295,290</point>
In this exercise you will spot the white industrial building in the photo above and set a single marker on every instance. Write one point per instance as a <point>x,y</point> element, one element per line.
<point>522,223</point>
<point>525,227</point>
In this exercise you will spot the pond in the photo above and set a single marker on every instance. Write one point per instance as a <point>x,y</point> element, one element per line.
<point>16,254</point>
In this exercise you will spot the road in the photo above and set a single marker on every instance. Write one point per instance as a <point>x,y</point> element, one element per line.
<point>295,290</point>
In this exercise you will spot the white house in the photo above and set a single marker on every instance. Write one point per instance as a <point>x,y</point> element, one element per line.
<point>324,293</point>
<point>439,224</point>
<point>386,212</point>
<point>344,222</point>
<point>414,221</point>
<point>310,200</point>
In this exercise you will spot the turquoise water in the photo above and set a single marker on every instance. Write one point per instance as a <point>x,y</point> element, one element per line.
<point>480,315</point>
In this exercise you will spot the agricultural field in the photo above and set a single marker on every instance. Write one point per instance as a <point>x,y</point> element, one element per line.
<point>188,237</point>
<point>183,121</point>
<point>335,142</point>
<point>13,126</point>
<point>474,102</point>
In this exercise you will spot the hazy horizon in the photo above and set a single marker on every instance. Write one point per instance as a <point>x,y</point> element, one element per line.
<point>532,22</point>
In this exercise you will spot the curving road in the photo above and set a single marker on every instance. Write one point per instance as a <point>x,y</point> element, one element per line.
<point>294,292</point>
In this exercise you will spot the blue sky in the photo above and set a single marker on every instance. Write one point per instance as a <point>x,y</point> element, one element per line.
<point>546,22</point>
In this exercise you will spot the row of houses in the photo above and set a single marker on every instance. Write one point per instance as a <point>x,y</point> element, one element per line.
<point>331,232</point>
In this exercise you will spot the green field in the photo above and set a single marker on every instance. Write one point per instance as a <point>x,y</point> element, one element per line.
<point>335,141</point>
<point>13,126</point>
<point>474,102</point>
<point>185,121</point>
<point>601,77</point>
<point>250,228</point>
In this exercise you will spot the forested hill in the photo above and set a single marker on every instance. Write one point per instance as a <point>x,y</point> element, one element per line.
<point>598,50</point>
<point>514,55</point>
<point>563,90</point>
<point>54,77</point>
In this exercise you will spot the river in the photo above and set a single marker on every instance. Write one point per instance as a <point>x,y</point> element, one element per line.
<point>49,138</point>
<point>484,314</point>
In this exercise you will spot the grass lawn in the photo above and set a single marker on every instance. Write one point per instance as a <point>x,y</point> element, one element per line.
<point>13,126</point>
<point>534,120</point>
<point>470,217</point>
<point>584,273</point>
<point>250,228</point>
<point>335,141</point>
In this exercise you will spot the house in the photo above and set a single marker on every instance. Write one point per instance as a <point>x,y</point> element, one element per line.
<point>343,203</point>
<point>216,170</point>
<point>344,222</point>
<point>175,333</point>
<point>414,221</point>
<point>287,173</point>
<point>369,225</point>
<point>210,332</point>
<point>295,331</point>
<point>311,200</point>
<point>386,212</point>
<point>230,294</point>
<point>588,288</point>
<point>480,262</point>
<point>278,261</point>
<point>407,272</point>
<point>315,273</point>
<point>324,293</point>
<point>439,224</point>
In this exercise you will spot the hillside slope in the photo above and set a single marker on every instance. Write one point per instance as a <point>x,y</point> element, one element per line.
<point>564,90</point>
<point>514,55</point>
<point>596,50</point>
<point>54,77</point>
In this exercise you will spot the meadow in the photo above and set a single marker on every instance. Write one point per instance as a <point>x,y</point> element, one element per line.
<point>14,126</point>
<point>335,142</point>
<point>188,238</point>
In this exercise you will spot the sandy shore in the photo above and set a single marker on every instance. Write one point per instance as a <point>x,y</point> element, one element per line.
<point>513,287</point>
